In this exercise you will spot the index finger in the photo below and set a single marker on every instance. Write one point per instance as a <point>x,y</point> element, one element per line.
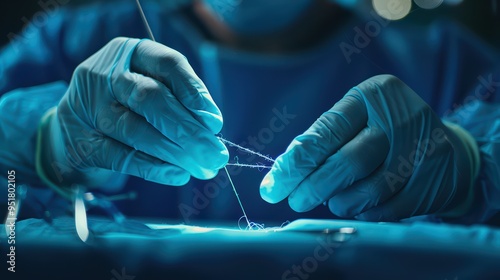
<point>172,69</point>
<point>308,151</point>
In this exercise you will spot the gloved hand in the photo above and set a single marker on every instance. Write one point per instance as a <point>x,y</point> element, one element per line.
<point>379,154</point>
<point>135,107</point>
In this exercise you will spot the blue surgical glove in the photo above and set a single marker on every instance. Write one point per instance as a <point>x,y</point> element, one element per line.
<point>380,154</point>
<point>135,107</point>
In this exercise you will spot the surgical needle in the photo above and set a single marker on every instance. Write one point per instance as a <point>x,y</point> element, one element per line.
<point>151,36</point>
<point>145,21</point>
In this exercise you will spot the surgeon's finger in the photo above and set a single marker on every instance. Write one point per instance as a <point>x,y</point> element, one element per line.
<point>121,158</point>
<point>406,194</point>
<point>355,160</point>
<point>396,207</point>
<point>155,102</point>
<point>134,131</point>
<point>311,149</point>
<point>362,195</point>
<point>172,68</point>
<point>391,211</point>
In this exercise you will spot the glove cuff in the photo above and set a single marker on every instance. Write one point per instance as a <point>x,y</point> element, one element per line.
<point>43,127</point>
<point>471,147</point>
<point>472,152</point>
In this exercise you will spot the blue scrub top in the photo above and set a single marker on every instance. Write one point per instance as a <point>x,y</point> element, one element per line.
<point>266,100</point>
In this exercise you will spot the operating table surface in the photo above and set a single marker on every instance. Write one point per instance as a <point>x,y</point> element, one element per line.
<point>303,249</point>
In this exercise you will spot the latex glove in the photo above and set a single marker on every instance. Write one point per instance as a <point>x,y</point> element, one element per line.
<point>380,153</point>
<point>135,107</point>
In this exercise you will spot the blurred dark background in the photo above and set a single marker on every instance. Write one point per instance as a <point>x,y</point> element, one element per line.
<point>483,16</point>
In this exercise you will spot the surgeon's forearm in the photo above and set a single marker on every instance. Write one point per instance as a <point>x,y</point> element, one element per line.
<point>21,111</point>
<point>463,199</point>
<point>483,123</point>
